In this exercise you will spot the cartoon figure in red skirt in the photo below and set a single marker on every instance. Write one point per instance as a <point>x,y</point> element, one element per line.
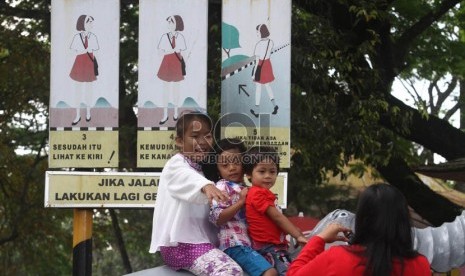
<point>172,68</point>
<point>84,72</point>
<point>263,71</point>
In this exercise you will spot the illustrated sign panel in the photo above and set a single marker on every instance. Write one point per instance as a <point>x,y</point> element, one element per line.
<point>255,73</point>
<point>84,84</point>
<point>172,72</point>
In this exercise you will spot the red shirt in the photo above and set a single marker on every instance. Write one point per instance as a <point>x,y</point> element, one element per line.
<point>261,228</point>
<point>337,260</point>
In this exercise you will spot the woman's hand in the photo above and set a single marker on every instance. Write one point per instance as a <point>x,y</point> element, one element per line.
<point>214,193</point>
<point>331,233</point>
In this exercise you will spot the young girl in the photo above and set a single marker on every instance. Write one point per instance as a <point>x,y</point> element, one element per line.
<point>267,225</point>
<point>229,216</point>
<point>181,231</point>
<point>381,245</point>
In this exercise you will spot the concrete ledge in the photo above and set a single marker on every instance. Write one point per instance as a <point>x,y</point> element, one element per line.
<point>159,271</point>
<point>162,271</point>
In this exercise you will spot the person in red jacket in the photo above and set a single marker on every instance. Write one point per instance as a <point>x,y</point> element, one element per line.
<point>381,245</point>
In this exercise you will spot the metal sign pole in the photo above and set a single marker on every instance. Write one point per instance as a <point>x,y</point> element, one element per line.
<point>82,242</point>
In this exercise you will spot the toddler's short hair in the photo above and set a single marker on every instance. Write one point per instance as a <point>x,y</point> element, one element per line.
<point>257,154</point>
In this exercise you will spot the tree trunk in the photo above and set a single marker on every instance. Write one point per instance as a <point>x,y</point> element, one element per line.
<point>436,135</point>
<point>432,133</point>
<point>431,206</point>
<point>462,104</point>
<point>120,241</point>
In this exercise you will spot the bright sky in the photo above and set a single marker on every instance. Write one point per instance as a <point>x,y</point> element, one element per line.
<point>400,92</point>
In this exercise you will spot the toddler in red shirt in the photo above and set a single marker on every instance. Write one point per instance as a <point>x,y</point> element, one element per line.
<point>267,225</point>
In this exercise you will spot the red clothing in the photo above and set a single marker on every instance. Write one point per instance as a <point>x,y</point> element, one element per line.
<point>83,68</point>
<point>170,68</point>
<point>261,228</point>
<point>338,260</point>
<point>266,74</point>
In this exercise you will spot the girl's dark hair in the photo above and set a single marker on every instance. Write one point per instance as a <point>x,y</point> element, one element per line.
<point>209,166</point>
<point>263,29</point>
<point>382,226</point>
<point>80,23</point>
<point>256,155</point>
<point>228,144</point>
<point>187,117</point>
<point>178,22</point>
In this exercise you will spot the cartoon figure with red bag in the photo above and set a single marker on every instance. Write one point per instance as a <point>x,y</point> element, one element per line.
<point>85,69</point>
<point>262,74</point>
<point>173,67</point>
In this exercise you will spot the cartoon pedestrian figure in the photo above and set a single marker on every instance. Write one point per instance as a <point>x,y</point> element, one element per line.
<point>172,68</point>
<point>263,71</point>
<point>84,71</point>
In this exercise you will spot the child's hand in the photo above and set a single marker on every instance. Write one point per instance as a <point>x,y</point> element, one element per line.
<point>331,233</point>
<point>302,240</point>
<point>243,194</point>
<point>214,193</point>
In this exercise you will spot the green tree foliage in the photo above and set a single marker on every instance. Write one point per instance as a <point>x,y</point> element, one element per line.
<point>345,56</point>
<point>437,65</point>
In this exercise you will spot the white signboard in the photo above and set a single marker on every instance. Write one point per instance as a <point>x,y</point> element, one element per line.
<point>84,83</point>
<point>172,72</point>
<point>256,73</point>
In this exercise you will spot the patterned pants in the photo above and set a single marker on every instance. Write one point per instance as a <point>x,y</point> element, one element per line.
<point>215,263</point>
